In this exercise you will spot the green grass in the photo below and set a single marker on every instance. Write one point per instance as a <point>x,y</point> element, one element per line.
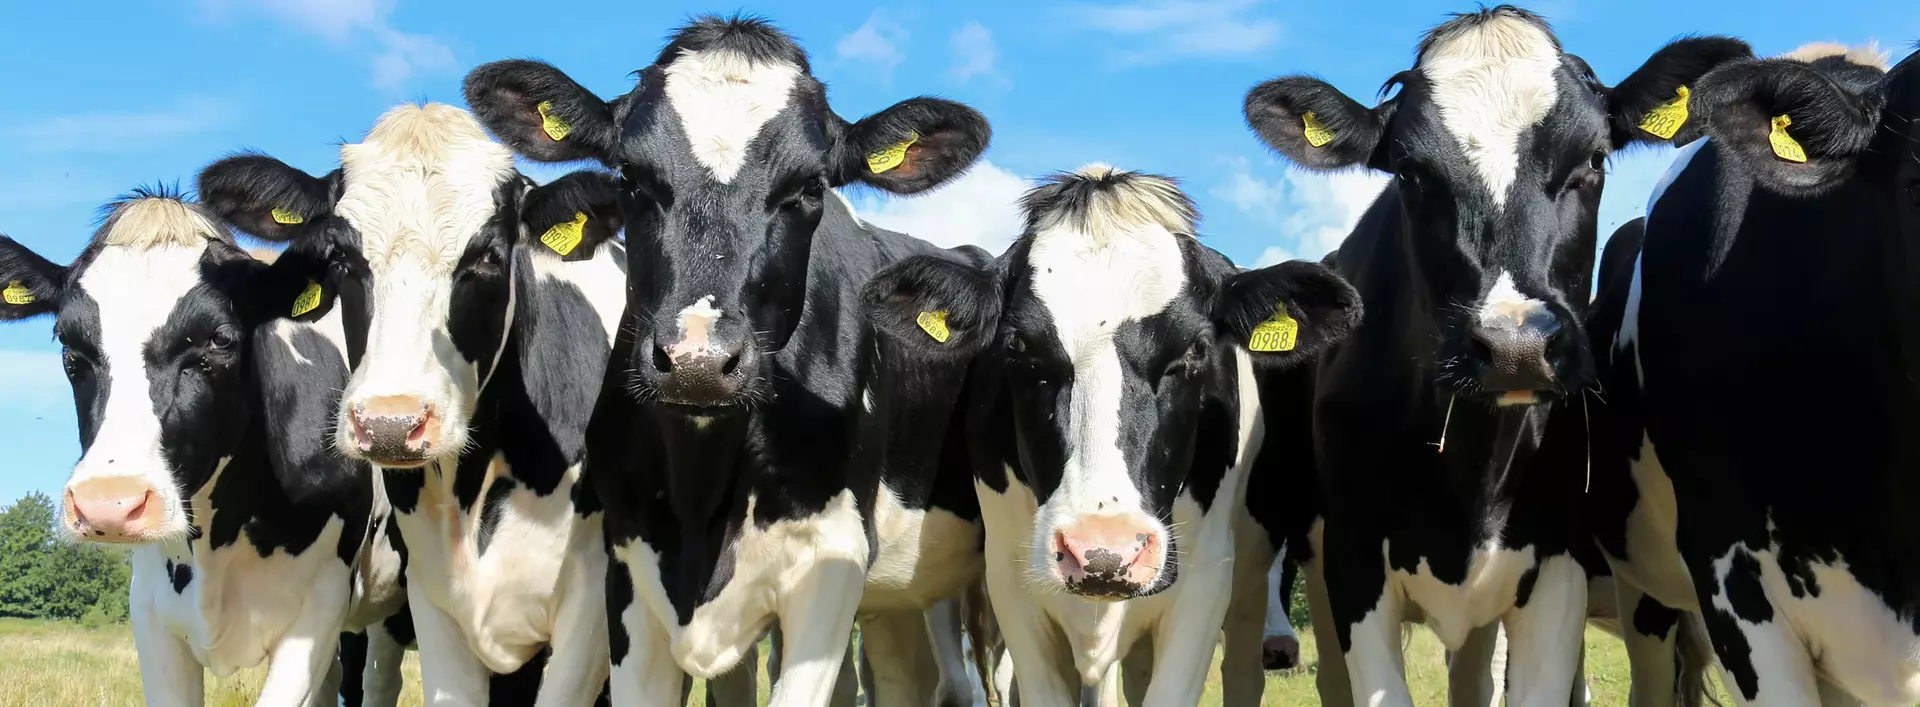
<point>63,665</point>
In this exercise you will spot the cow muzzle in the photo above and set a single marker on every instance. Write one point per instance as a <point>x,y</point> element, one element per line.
<point>114,509</point>
<point>1109,556</point>
<point>397,431</point>
<point>701,359</point>
<point>1513,357</point>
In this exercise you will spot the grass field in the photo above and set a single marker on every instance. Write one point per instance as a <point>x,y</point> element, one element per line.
<point>64,665</point>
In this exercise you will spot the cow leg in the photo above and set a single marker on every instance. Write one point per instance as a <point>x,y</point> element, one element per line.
<point>578,667</point>
<point>739,687</point>
<point>1003,678</point>
<point>816,620</point>
<point>1185,635</point>
<point>1135,672</point>
<point>1040,681</point>
<point>1330,674</point>
<point>1762,661</point>
<point>846,687</point>
<point>1376,668</point>
<point>1475,672</point>
<point>169,674</point>
<point>944,632</point>
<point>1650,630</point>
<point>1545,635</point>
<point>640,651</point>
<point>1243,662</point>
<point>450,674</point>
<point>904,669</point>
<point>298,665</point>
<point>380,679</point>
<point>353,663</point>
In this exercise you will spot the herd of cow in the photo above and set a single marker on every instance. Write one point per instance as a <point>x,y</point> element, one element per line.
<point>461,410</point>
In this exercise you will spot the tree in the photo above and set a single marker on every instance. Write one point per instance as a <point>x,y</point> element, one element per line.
<point>26,541</point>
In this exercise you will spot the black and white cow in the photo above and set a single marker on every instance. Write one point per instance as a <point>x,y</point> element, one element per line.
<point>763,449</point>
<point>1786,244</point>
<point>481,310</point>
<point>1435,423</point>
<point>1113,422</point>
<point>201,376</point>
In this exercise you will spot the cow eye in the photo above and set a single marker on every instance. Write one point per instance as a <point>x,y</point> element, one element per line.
<point>1017,344</point>
<point>73,361</point>
<point>1913,193</point>
<point>220,341</point>
<point>808,194</point>
<point>487,264</point>
<point>1598,162</point>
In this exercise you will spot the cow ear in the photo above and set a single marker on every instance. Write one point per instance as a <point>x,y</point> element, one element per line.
<point>1656,103</point>
<point>1797,131</point>
<point>574,214</point>
<point>935,305</point>
<point>539,112</point>
<point>265,197</point>
<point>912,146</point>
<point>1312,123</point>
<point>1288,313</point>
<point>29,284</point>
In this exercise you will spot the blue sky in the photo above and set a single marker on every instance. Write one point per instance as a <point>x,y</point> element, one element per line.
<point>101,100</point>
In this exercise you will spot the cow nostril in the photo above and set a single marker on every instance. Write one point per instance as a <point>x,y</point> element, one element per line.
<point>1479,348</point>
<point>733,362</point>
<point>661,361</point>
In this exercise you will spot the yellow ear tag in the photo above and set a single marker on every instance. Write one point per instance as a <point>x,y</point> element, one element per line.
<point>286,217</point>
<point>935,325</point>
<point>554,127</point>
<point>1665,119</point>
<point>17,293</point>
<point>892,156</point>
<point>1279,332</point>
<point>1784,146</point>
<point>565,236</point>
<point>308,300</point>
<point>1317,135</point>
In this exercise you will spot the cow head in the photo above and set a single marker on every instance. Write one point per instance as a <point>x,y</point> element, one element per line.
<point>726,150</point>
<point>1122,355</point>
<point>154,319</point>
<point>421,221</point>
<point>1497,141</point>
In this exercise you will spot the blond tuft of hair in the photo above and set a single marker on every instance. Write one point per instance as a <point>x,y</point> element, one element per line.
<point>1869,54</point>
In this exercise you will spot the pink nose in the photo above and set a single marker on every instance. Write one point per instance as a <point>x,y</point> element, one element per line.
<point>395,430</point>
<point>1108,556</point>
<point>112,509</point>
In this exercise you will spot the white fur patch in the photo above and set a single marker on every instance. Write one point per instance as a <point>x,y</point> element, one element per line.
<point>723,100</point>
<point>1505,306</point>
<point>602,279</point>
<point>1492,82</point>
<point>418,189</point>
<point>135,290</point>
<point>696,329</point>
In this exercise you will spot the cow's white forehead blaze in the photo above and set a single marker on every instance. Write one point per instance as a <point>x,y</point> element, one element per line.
<point>1117,261</point>
<point>1492,81</point>
<point>159,222</point>
<point>723,99</point>
<point>421,185</point>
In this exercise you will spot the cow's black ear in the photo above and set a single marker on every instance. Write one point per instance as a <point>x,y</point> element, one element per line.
<point>29,284</point>
<point>1288,313</point>
<point>912,146</point>
<point>1312,123</point>
<point>265,197</point>
<point>540,112</point>
<point>935,304</point>
<point>1656,102</point>
<point>574,214</point>
<point>1796,131</point>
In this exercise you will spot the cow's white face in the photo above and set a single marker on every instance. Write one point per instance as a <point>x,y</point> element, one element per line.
<point>426,201</point>
<point>152,344</point>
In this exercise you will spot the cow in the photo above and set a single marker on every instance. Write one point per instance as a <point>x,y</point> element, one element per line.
<point>200,377</point>
<point>481,309</point>
<point>768,443</point>
<point>1776,514</point>
<point>1112,422</point>
<point>1449,429</point>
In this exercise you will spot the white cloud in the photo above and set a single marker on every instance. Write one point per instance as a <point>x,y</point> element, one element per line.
<point>980,208</point>
<point>876,44</point>
<point>397,56</point>
<point>1168,30</point>
<point>113,132</point>
<point>1312,212</point>
<point>973,52</point>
